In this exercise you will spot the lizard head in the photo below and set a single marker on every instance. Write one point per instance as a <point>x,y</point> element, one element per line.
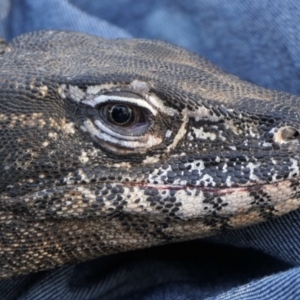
<point>113,145</point>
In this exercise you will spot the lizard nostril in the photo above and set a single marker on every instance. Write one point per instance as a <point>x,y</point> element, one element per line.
<point>289,134</point>
<point>286,134</point>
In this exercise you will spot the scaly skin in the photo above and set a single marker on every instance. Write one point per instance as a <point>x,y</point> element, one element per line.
<point>114,145</point>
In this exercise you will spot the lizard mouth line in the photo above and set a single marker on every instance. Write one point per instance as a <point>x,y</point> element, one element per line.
<point>204,189</point>
<point>195,201</point>
<point>170,186</point>
<point>167,187</point>
<point>161,187</point>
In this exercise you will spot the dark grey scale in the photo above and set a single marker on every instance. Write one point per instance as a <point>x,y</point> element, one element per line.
<point>165,178</point>
<point>157,198</point>
<point>216,221</point>
<point>133,175</point>
<point>175,168</point>
<point>197,193</point>
<point>169,205</point>
<point>100,199</point>
<point>138,170</point>
<point>105,192</point>
<point>95,205</point>
<point>99,188</point>
<point>160,172</point>
<point>187,173</point>
<point>184,178</point>
<point>169,180</point>
<point>148,191</point>
<point>155,192</point>
<point>172,192</point>
<point>145,170</point>
<point>260,198</point>
<point>114,190</point>
<point>223,110</point>
<point>111,197</point>
<point>150,199</point>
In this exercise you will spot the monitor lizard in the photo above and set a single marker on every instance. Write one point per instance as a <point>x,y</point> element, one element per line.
<point>114,145</point>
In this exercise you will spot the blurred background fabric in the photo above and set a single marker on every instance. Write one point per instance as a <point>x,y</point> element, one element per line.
<point>257,41</point>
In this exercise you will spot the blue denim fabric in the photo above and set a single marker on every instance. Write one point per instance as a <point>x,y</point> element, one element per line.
<point>20,16</point>
<point>257,41</point>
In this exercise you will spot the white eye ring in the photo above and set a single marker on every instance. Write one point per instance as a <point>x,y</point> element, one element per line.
<point>102,99</point>
<point>107,130</point>
<point>106,140</point>
<point>114,137</point>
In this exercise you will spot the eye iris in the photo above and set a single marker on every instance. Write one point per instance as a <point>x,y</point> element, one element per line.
<point>121,114</point>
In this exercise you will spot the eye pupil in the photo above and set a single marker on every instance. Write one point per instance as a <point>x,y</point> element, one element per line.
<point>121,114</point>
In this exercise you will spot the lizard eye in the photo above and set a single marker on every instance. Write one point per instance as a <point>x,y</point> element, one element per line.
<point>122,122</point>
<point>123,115</point>
<point>120,115</point>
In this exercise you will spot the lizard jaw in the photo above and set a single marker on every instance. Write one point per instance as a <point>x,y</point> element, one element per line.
<point>160,202</point>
